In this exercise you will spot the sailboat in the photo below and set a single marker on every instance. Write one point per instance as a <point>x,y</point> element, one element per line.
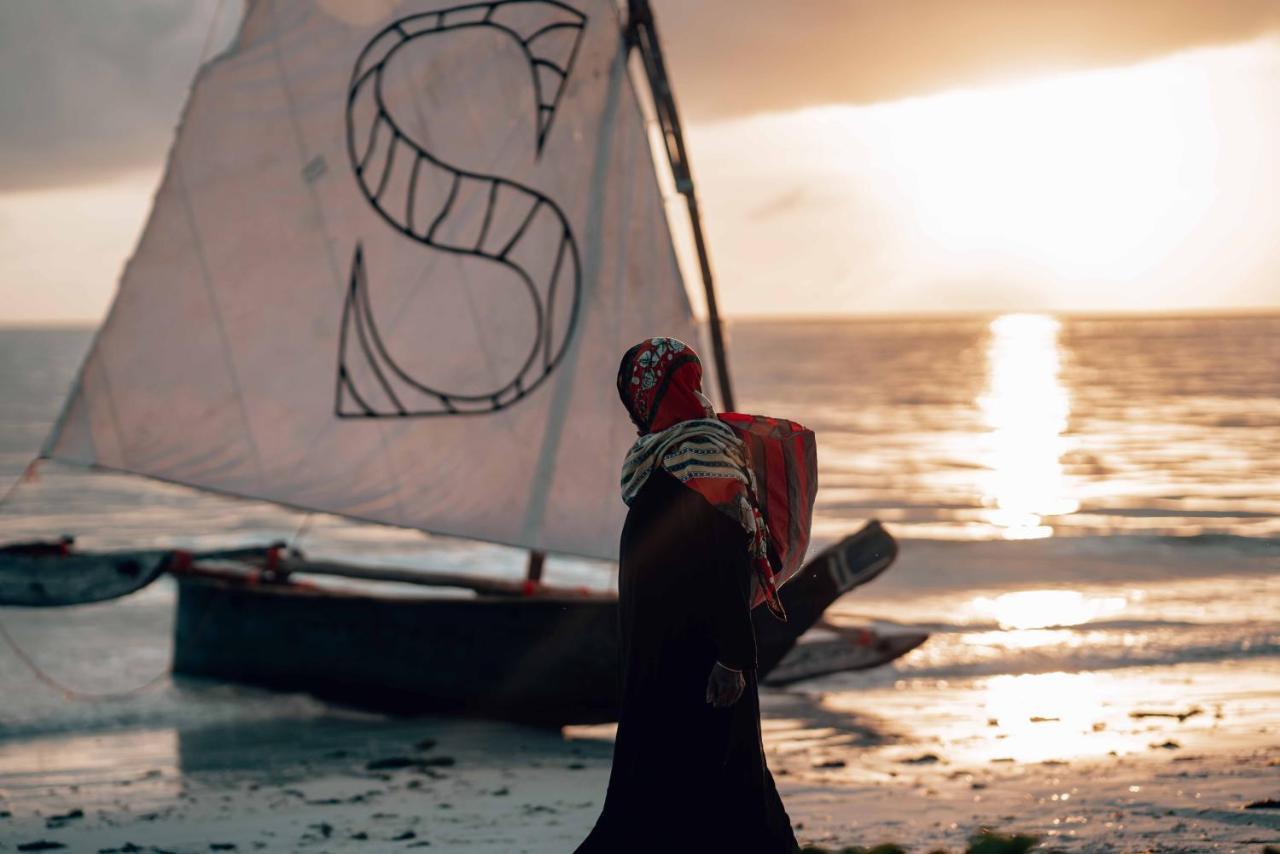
<point>395,254</point>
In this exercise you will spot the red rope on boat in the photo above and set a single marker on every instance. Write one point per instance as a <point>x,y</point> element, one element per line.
<point>73,693</point>
<point>180,559</point>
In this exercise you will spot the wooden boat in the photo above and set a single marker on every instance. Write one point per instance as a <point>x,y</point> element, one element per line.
<point>516,650</point>
<point>455,377</point>
<point>537,654</point>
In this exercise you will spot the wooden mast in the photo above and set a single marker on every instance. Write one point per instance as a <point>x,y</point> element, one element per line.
<point>642,34</point>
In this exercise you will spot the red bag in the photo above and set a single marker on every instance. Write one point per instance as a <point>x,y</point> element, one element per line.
<point>784,457</point>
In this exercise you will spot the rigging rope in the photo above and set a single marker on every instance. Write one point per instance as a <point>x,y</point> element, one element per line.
<point>297,535</point>
<point>29,474</point>
<point>68,692</point>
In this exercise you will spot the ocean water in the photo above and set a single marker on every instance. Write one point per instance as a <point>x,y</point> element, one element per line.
<point>1026,426</point>
<point>1090,499</point>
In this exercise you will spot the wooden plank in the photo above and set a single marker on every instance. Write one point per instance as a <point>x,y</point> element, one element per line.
<point>288,565</point>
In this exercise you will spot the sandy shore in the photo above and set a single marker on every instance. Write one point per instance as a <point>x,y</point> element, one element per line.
<point>924,779</point>
<point>1147,729</point>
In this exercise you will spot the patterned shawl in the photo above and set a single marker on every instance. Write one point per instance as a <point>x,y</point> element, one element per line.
<point>660,382</point>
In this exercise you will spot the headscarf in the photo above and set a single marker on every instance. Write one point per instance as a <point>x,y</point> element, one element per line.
<point>660,383</point>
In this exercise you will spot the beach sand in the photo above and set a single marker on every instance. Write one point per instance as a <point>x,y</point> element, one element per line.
<point>1148,728</point>
<point>920,766</point>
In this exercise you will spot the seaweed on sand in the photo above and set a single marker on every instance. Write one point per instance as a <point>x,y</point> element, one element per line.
<point>886,848</point>
<point>985,841</point>
<point>990,842</point>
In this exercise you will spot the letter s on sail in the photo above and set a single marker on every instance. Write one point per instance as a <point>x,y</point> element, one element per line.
<point>371,383</point>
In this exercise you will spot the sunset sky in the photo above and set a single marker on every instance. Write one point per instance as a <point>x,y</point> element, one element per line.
<point>852,157</point>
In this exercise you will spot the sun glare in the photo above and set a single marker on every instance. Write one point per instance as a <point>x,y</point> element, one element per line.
<point>1038,609</point>
<point>1133,188</point>
<point>1099,172</point>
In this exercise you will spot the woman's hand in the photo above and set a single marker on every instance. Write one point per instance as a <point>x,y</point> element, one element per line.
<point>724,686</point>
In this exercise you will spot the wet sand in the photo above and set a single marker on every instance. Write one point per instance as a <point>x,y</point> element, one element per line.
<point>923,766</point>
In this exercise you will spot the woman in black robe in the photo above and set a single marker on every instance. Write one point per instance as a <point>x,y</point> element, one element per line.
<point>689,771</point>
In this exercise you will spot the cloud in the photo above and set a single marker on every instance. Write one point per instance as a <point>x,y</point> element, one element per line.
<point>734,57</point>
<point>93,89</point>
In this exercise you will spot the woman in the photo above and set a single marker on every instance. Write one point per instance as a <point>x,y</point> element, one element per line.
<point>689,770</point>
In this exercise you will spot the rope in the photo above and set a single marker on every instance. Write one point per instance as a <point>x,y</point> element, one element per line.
<point>297,535</point>
<point>68,692</point>
<point>28,476</point>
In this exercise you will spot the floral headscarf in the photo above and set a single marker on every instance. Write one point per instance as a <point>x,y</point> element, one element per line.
<point>660,383</point>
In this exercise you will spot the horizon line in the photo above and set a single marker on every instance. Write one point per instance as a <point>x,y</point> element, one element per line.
<point>837,317</point>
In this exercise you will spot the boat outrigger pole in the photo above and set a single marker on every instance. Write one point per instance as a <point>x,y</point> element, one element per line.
<point>642,34</point>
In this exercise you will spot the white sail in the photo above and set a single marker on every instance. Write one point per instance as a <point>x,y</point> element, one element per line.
<point>396,254</point>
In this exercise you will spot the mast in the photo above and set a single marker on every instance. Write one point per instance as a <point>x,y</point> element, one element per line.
<point>642,33</point>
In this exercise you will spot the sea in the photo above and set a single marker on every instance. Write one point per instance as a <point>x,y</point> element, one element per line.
<point>1088,507</point>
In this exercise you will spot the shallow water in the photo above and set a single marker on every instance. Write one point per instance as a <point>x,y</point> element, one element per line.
<point>1091,498</point>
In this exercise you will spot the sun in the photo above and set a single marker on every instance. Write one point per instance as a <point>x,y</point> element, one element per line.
<point>1101,172</point>
<point>1135,188</point>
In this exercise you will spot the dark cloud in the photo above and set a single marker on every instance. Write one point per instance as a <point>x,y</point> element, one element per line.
<point>92,87</point>
<point>730,57</point>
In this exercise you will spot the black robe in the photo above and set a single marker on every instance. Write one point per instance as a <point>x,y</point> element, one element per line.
<point>686,776</point>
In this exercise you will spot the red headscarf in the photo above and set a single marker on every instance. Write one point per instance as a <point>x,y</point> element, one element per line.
<point>760,471</point>
<point>660,383</point>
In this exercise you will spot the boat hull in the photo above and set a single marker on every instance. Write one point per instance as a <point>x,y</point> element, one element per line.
<point>540,659</point>
<point>537,660</point>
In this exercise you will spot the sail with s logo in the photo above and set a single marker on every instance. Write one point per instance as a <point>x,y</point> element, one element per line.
<point>395,254</point>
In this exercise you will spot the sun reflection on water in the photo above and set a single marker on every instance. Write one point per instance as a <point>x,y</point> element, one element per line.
<point>1048,716</point>
<point>1026,407</point>
<point>1038,609</point>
